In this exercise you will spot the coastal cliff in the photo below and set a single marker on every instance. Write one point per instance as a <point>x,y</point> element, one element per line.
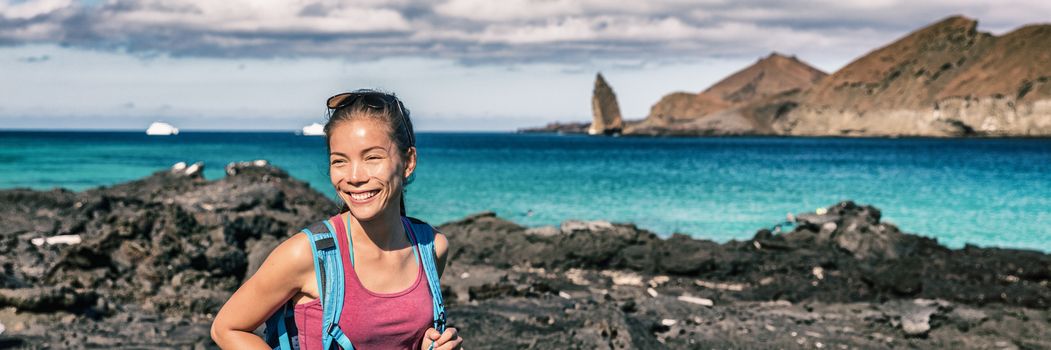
<point>605,115</point>
<point>947,79</point>
<point>683,113</point>
<point>944,80</point>
<point>149,262</point>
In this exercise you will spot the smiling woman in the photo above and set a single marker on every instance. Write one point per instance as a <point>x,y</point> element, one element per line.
<point>357,279</point>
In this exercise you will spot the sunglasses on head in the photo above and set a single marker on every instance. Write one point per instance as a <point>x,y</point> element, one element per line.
<point>371,99</point>
<point>374,100</point>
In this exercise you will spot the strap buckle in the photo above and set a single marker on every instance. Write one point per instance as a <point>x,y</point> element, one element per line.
<point>440,322</point>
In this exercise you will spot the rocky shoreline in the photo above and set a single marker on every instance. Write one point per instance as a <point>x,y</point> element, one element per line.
<point>146,264</point>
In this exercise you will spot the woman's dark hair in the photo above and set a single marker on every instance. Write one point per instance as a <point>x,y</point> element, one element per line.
<point>376,105</point>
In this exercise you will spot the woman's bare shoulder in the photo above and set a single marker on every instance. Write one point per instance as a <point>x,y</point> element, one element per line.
<point>441,244</point>
<point>293,257</point>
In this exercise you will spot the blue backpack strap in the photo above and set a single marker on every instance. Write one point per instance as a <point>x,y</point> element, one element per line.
<point>276,333</point>
<point>425,255</point>
<point>328,269</point>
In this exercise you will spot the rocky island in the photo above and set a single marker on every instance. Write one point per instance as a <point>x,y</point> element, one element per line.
<point>606,118</point>
<point>146,264</point>
<point>944,80</point>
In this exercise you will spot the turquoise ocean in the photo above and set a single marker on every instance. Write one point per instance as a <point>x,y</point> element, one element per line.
<point>988,192</point>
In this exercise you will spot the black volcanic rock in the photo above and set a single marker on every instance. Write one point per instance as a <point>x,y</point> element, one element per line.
<point>861,259</point>
<point>149,240</point>
<point>157,257</point>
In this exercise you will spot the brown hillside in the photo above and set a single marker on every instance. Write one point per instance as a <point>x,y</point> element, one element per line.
<point>685,105</point>
<point>769,76</point>
<point>946,79</point>
<point>1017,65</point>
<point>908,73</point>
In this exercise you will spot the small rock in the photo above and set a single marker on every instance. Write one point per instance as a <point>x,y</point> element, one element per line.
<point>570,226</point>
<point>68,319</point>
<point>659,280</point>
<point>565,295</point>
<point>735,287</point>
<point>668,322</point>
<point>577,277</point>
<point>60,239</point>
<point>1003,344</point>
<point>829,226</point>
<point>545,231</point>
<point>465,275</point>
<point>652,292</point>
<point>178,167</point>
<point>818,272</point>
<point>622,278</point>
<point>696,300</point>
<point>2,328</point>
<point>194,170</point>
<point>234,168</point>
<point>917,323</point>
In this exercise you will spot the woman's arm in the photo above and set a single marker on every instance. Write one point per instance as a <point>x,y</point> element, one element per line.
<point>284,273</point>
<point>441,250</point>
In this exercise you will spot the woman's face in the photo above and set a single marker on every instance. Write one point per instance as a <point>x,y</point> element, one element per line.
<point>366,167</point>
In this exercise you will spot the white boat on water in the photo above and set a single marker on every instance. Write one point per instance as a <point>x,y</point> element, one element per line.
<point>161,128</point>
<point>314,129</point>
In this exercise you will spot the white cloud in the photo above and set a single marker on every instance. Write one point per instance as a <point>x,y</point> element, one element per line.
<point>491,32</point>
<point>508,10</point>
<point>590,29</point>
<point>233,16</point>
<point>30,9</point>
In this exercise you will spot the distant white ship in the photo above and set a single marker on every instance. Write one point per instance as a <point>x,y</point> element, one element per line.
<point>314,129</point>
<point>160,128</point>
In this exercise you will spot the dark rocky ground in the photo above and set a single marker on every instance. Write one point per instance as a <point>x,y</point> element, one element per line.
<point>157,257</point>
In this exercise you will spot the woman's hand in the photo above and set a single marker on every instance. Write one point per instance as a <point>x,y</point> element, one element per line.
<point>450,340</point>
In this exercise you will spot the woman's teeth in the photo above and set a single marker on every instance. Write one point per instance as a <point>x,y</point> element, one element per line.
<point>364,195</point>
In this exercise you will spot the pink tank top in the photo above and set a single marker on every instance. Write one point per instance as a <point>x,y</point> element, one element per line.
<point>371,320</point>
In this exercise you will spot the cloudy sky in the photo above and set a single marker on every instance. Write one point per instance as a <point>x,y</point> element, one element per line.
<point>458,64</point>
